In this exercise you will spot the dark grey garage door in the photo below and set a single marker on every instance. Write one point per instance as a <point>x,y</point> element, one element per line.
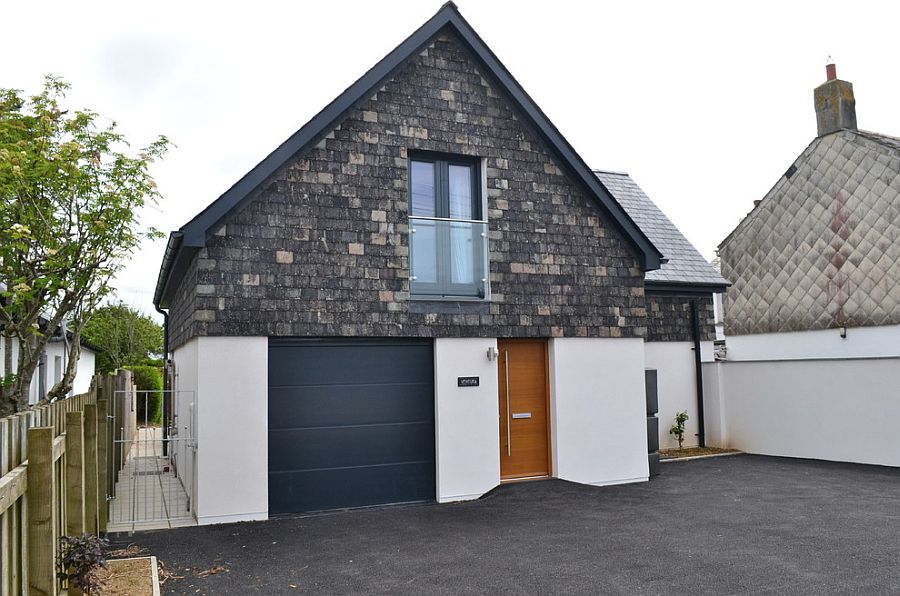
<point>351,423</point>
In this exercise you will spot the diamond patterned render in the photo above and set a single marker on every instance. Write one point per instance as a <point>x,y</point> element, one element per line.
<point>685,264</point>
<point>822,249</point>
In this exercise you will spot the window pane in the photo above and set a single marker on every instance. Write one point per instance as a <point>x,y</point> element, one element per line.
<point>422,184</point>
<point>423,251</point>
<point>461,192</point>
<point>462,254</point>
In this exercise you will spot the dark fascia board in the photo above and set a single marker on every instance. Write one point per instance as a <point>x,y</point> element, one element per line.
<point>175,262</point>
<point>662,287</point>
<point>196,232</point>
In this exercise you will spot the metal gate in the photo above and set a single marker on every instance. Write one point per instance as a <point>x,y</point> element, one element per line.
<point>154,456</point>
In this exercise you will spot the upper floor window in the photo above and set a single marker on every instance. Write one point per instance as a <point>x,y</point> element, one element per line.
<point>448,234</point>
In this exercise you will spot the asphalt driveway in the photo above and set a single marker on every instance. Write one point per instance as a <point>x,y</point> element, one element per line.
<point>730,525</point>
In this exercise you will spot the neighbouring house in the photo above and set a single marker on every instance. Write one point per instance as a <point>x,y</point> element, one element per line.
<point>423,292</point>
<point>812,320</point>
<point>52,365</point>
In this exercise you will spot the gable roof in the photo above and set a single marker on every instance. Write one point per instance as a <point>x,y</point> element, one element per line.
<point>820,249</point>
<point>856,164</point>
<point>193,235</point>
<point>683,264</point>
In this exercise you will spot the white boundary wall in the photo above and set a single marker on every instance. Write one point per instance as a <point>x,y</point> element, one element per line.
<point>676,386</point>
<point>598,410</point>
<point>467,435</point>
<point>860,342</point>
<point>831,409</point>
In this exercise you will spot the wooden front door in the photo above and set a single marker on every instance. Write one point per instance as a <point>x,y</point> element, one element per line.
<point>524,423</point>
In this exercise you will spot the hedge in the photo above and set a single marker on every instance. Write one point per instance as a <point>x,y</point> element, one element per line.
<point>149,379</point>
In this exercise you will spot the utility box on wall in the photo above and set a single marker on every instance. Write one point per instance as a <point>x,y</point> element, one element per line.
<point>652,420</point>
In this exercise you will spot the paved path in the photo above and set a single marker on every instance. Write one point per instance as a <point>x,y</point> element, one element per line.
<point>731,525</point>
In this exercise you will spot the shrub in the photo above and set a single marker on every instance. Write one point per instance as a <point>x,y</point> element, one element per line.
<point>678,428</point>
<point>79,559</point>
<point>149,379</point>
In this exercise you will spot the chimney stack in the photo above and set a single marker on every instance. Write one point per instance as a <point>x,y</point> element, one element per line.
<point>835,104</point>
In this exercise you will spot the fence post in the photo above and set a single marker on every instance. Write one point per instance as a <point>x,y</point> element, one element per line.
<point>91,481</point>
<point>41,513</point>
<point>102,462</point>
<point>6,536</point>
<point>74,474</point>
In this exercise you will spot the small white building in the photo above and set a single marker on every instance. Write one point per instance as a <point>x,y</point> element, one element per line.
<point>53,364</point>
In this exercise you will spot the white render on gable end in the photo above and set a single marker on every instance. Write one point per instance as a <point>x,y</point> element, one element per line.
<point>229,376</point>
<point>467,438</point>
<point>598,410</point>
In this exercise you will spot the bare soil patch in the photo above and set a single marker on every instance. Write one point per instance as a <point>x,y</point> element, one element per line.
<point>693,452</point>
<point>128,577</point>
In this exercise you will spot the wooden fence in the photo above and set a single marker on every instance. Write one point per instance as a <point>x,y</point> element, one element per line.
<point>56,470</point>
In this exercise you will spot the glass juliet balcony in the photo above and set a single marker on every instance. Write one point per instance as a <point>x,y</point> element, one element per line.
<point>448,257</point>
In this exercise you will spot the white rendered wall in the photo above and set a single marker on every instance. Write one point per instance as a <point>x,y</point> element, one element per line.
<point>467,435</point>
<point>598,410</point>
<point>231,383</point>
<point>861,342</point>
<point>184,423</point>
<point>84,373</point>
<point>839,410</point>
<point>677,387</point>
<point>714,408</point>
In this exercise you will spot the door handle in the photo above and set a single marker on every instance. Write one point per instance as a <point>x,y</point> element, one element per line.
<point>521,415</point>
<point>508,434</point>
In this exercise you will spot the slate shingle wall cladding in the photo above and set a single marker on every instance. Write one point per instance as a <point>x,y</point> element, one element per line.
<point>821,249</point>
<point>184,303</point>
<point>323,250</point>
<point>669,317</point>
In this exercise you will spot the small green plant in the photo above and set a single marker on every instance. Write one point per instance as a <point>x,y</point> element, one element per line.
<point>80,557</point>
<point>678,428</point>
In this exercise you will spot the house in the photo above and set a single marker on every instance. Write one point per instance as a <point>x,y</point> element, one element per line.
<point>424,258</point>
<point>52,365</point>
<point>812,320</point>
<point>816,263</point>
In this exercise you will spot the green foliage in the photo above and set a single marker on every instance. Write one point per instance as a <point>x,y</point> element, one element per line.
<point>80,557</point>
<point>678,428</point>
<point>149,405</point>
<point>70,197</point>
<point>124,336</point>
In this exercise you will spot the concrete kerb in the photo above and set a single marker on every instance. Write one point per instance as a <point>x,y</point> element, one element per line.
<point>693,457</point>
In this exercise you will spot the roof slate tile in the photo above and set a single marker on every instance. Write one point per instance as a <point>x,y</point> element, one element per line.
<point>685,264</point>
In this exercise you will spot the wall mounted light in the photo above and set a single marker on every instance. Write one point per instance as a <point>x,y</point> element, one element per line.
<point>492,354</point>
<point>843,332</point>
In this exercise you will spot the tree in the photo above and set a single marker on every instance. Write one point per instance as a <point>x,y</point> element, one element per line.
<point>69,202</point>
<point>124,336</point>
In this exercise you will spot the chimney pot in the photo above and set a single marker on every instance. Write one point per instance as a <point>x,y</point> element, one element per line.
<point>830,72</point>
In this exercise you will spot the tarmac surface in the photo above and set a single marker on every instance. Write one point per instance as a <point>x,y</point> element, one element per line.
<point>728,525</point>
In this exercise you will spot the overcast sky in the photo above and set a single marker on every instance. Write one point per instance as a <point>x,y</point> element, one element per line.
<point>704,104</point>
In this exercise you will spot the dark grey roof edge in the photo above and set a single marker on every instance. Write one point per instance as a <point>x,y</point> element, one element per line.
<point>886,141</point>
<point>746,218</point>
<point>685,287</point>
<point>195,232</point>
